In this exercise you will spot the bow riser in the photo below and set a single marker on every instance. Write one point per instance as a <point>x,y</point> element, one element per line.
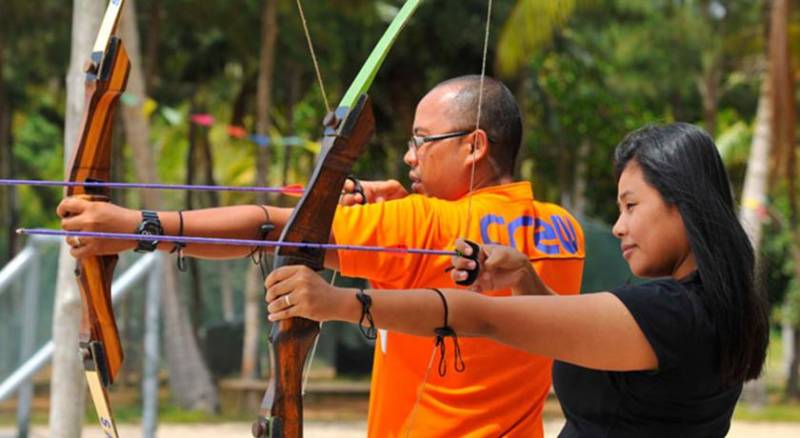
<point>291,343</point>
<point>312,218</point>
<point>281,413</point>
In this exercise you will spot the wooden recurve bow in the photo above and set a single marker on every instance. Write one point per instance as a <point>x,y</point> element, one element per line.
<point>106,76</point>
<point>347,130</point>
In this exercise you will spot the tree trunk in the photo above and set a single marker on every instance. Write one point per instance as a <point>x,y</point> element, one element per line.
<point>784,138</point>
<point>151,49</point>
<point>8,194</point>
<point>579,184</point>
<point>254,292</point>
<point>792,391</point>
<point>708,86</point>
<point>254,288</point>
<point>189,377</point>
<point>266,64</point>
<point>68,387</point>
<point>5,164</point>
<point>292,97</point>
<point>565,174</point>
<point>754,197</point>
<point>228,298</point>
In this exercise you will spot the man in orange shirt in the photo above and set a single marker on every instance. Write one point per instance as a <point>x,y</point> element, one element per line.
<point>462,178</point>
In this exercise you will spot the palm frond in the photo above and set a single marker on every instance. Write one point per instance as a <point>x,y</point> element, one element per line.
<point>529,27</point>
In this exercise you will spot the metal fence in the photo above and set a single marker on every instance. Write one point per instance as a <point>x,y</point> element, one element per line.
<point>26,301</point>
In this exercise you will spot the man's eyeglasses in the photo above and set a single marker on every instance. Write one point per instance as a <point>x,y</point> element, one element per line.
<point>416,141</point>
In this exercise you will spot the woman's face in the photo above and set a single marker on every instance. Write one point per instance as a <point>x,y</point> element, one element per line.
<point>652,235</point>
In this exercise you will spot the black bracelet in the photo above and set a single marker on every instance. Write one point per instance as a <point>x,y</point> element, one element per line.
<point>178,246</point>
<point>369,332</point>
<point>263,231</point>
<point>443,332</point>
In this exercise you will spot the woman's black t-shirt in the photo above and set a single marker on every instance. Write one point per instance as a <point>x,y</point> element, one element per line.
<point>683,398</point>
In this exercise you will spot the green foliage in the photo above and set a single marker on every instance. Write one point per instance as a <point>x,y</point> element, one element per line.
<point>530,26</point>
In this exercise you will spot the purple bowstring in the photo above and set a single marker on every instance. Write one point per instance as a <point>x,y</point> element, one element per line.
<point>235,242</point>
<point>120,185</point>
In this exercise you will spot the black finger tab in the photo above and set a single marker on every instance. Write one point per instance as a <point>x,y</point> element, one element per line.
<point>358,188</point>
<point>472,274</point>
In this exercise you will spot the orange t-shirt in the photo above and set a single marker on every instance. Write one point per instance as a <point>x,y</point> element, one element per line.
<point>502,390</point>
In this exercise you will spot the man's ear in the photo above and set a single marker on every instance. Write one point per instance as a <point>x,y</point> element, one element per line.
<point>479,146</point>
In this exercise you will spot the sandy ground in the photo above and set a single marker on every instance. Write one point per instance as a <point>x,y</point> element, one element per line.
<point>316,429</point>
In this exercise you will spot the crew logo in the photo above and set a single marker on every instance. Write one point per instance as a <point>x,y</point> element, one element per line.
<point>550,235</point>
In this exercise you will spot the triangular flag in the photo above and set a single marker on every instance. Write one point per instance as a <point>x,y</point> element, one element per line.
<point>203,119</point>
<point>149,106</point>
<point>237,131</point>
<point>292,141</point>
<point>173,116</point>
<point>260,139</point>
<point>129,99</point>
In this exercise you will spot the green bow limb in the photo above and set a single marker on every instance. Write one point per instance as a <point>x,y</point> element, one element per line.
<point>366,75</point>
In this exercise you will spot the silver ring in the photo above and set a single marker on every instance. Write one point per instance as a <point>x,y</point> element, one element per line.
<point>286,298</point>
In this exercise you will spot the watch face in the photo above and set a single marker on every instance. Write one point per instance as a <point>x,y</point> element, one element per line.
<point>149,227</point>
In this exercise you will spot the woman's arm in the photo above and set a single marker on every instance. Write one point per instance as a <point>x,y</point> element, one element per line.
<point>594,330</point>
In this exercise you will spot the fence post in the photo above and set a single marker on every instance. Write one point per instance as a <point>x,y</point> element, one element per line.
<point>28,326</point>
<point>151,349</point>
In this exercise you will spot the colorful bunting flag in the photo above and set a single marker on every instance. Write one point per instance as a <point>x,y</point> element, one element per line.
<point>171,115</point>
<point>129,99</point>
<point>260,139</point>
<point>149,106</point>
<point>203,119</point>
<point>237,131</point>
<point>175,117</point>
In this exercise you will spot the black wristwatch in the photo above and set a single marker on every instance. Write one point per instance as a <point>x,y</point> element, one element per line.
<point>150,226</point>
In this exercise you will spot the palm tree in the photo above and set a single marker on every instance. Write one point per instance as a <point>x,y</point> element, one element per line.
<point>773,152</point>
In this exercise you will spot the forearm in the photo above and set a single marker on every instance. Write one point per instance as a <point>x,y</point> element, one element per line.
<point>592,330</point>
<point>237,222</point>
<point>531,283</point>
<point>419,311</point>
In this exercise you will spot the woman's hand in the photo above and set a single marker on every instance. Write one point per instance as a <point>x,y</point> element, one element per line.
<point>82,215</point>
<point>298,291</point>
<point>501,267</point>
<point>375,191</point>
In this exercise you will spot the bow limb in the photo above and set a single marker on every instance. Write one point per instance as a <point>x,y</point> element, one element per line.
<point>347,130</point>
<point>366,75</point>
<point>106,77</point>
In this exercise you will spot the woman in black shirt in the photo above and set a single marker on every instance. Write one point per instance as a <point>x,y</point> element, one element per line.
<point>666,358</point>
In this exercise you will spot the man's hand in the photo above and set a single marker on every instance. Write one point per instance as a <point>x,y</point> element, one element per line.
<point>82,215</point>
<point>375,191</point>
<point>501,267</point>
<point>296,290</point>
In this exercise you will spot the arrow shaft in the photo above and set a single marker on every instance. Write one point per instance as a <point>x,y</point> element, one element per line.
<point>233,242</point>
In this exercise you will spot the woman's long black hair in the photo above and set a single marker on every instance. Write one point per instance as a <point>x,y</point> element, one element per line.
<point>681,161</point>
